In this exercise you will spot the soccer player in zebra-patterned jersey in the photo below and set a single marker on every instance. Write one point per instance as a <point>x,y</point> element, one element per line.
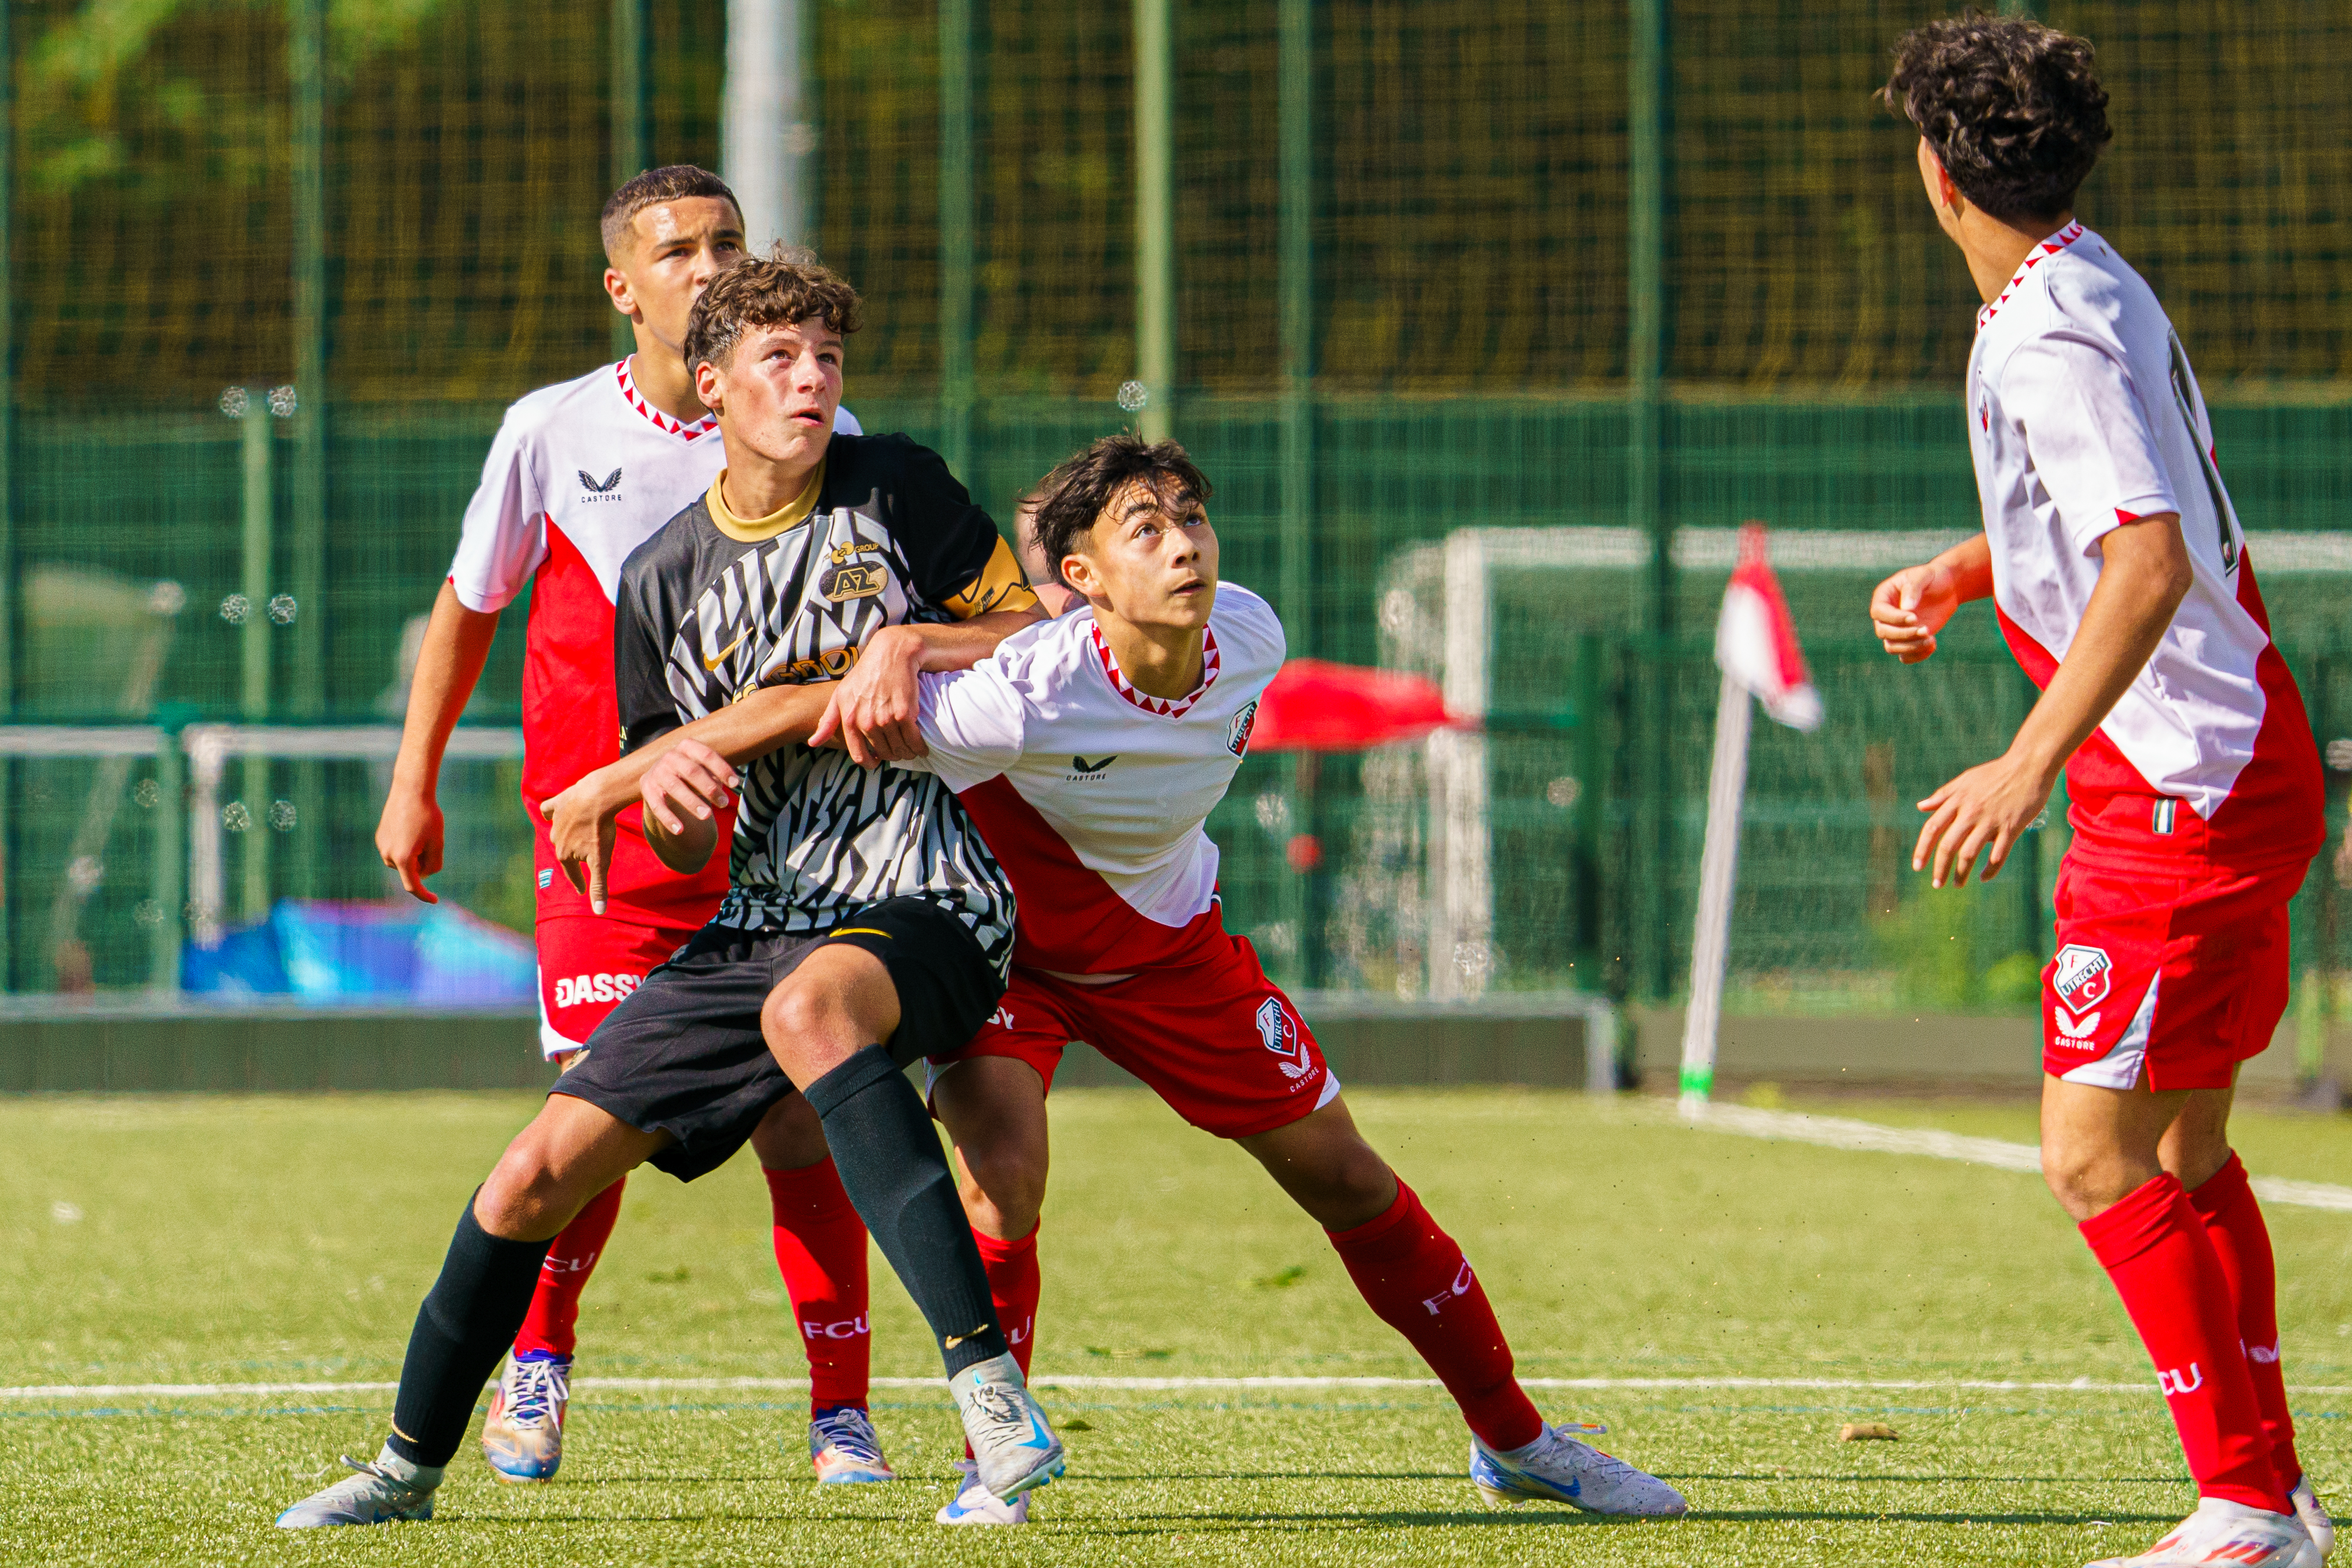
<point>865,925</point>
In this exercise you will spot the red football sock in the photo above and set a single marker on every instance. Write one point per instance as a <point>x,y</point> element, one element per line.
<point>2234,1220</point>
<point>820,1253</point>
<point>571,1259</point>
<point>1416,1278</point>
<point>1013,1286</point>
<point>2155,1248</point>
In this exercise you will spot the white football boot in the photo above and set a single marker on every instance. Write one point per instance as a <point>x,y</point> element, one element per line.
<point>387,1491</point>
<point>1014,1447</point>
<point>2228,1535</point>
<point>522,1436</point>
<point>1556,1468</point>
<point>2316,1522</point>
<point>975,1504</point>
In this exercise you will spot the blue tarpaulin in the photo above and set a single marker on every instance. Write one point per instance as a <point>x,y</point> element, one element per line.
<point>430,955</point>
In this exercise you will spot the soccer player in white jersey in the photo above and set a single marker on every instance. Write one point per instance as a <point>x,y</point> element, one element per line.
<point>580,475</point>
<point>1089,751</point>
<point>2125,586</point>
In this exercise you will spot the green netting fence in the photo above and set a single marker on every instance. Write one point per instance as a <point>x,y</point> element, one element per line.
<point>1573,283</point>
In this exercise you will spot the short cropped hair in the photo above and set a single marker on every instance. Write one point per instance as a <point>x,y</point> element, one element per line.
<point>1075,494</point>
<point>2012,108</point>
<point>782,290</point>
<point>670,182</point>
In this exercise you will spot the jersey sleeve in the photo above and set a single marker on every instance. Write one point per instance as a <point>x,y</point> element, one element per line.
<point>641,660</point>
<point>960,562</point>
<point>2088,434</point>
<point>505,534</point>
<point>972,722</point>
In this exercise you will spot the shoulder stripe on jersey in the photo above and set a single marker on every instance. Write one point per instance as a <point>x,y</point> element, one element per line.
<point>2035,258</point>
<point>702,426</point>
<point>1162,706</point>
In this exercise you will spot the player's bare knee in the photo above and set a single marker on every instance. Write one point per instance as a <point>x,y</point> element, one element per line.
<point>2087,1181</point>
<point>523,1197</point>
<point>789,1137</point>
<point>1003,1185</point>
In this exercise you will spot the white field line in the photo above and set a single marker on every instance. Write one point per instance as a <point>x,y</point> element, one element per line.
<point>1144,1384</point>
<point>1844,1133</point>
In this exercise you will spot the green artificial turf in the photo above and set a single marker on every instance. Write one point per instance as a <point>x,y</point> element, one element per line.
<point>240,1241</point>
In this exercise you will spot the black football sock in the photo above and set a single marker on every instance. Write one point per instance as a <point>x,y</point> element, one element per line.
<point>892,1168</point>
<point>468,1320</point>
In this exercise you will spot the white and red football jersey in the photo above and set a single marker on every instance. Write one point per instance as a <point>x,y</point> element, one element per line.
<point>580,475</point>
<point>2083,415</point>
<point>1092,795</point>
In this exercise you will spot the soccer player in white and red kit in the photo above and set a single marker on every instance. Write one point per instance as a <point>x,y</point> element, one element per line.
<point>1089,751</point>
<point>579,475</point>
<point>2123,583</point>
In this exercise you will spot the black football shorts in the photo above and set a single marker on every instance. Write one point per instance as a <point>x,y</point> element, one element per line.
<point>683,1053</point>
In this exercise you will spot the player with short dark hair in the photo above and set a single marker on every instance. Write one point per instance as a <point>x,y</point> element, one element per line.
<point>580,475</point>
<point>1090,750</point>
<point>2122,582</point>
<point>865,922</point>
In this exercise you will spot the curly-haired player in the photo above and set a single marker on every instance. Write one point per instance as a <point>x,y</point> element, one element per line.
<point>2121,579</point>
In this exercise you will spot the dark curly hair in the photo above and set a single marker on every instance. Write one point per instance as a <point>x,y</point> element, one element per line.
<point>1075,494</point>
<point>785,287</point>
<point>2012,108</point>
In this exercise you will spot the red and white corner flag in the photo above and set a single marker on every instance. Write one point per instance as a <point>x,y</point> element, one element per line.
<point>1756,644</point>
<point>1756,639</point>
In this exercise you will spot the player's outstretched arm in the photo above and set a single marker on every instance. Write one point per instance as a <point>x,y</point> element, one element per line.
<point>2146,574</point>
<point>683,777</point>
<point>1909,608</point>
<point>874,708</point>
<point>456,644</point>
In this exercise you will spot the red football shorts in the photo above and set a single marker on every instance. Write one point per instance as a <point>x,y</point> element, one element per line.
<point>1215,1039</point>
<point>2168,977</point>
<point>586,964</point>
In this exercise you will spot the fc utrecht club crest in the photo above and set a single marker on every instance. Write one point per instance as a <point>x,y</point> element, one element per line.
<point>1279,1030</point>
<point>1238,733</point>
<point>2082,976</point>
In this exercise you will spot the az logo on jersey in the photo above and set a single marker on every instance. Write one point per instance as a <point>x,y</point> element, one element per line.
<point>612,482</point>
<point>852,579</point>
<point>1237,734</point>
<point>1279,1033</point>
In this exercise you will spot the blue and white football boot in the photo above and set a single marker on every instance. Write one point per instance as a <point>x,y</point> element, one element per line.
<point>844,1450</point>
<point>1556,1468</point>
<point>1014,1447</point>
<point>385,1492</point>
<point>975,1504</point>
<point>522,1436</point>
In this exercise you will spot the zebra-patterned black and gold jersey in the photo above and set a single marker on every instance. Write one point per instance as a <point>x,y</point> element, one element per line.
<point>712,608</point>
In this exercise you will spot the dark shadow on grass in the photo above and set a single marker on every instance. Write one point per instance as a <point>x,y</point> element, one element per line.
<point>1826,1475</point>
<point>1758,1515</point>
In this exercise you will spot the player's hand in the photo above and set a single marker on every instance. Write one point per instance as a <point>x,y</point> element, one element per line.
<point>581,826</point>
<point>1909,608</point>
<point>873,710</point>
<point>1985,811</point>
<point>688,782</point>
<point>409,839</point>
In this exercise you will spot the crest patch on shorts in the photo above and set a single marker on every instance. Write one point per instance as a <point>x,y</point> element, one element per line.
<point>1279,1031</point>
<point>2083,976</point>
